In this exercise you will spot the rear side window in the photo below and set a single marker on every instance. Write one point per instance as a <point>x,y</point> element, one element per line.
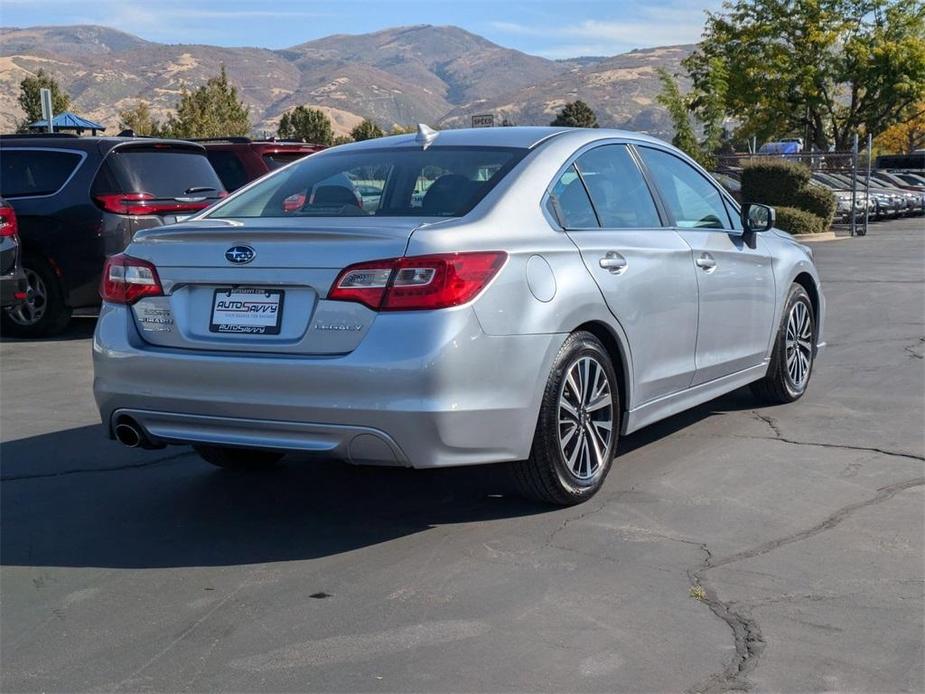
<point>164,173</point>
<point>436,182</point>
<point>275,160</point>
<point>25,172</point>
<point>694,201</point>
<point>618,190</point>
<point>229,169</point>
<point>570,202</point>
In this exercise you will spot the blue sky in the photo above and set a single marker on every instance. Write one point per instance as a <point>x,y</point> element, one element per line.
<point>554,29</point>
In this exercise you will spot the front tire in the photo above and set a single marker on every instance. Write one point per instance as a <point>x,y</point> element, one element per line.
<point>579,423</point>
<point>794,350</point>
<point>240,459</point>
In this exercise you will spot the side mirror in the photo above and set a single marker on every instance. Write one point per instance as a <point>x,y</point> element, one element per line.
<point>757,217</point>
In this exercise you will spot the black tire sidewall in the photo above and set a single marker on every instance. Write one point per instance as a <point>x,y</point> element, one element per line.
<point>797,295</point>
<point>578,345</point>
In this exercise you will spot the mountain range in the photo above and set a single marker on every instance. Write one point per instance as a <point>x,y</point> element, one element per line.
<point>440,75</point>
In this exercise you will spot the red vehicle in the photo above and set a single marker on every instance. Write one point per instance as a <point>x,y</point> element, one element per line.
<point>239,160</point>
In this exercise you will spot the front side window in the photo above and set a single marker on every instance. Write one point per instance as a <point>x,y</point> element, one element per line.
<point>618,190</point>
<point>569,202</point>
<point>693,201</point>
<point>397,182</point>
<point>26,172</point>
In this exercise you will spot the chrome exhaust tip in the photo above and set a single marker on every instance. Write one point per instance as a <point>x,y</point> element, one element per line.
<point>128,434</point>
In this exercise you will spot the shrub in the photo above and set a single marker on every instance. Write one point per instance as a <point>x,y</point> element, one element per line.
<point>773,181</point>
<point>785,185</point>
<point>799,221</point>
<point>819,201</point>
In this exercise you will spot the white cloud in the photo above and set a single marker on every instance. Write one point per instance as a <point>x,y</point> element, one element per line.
<point>659,25</point>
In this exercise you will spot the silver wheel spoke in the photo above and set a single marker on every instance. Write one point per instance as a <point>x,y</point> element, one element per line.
<point>585,417</point>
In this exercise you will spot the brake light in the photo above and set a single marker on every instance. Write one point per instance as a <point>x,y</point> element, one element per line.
<point>127,279</point>
<point>8,224</point>
<point>419,282</point>
<point>146,203</point>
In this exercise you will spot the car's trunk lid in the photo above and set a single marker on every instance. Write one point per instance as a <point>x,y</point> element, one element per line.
<point>217,273</point>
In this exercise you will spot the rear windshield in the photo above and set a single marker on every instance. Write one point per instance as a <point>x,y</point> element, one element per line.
<point>397,182</point>
<point>229,168</point>
<point>25,172</point>
<point>275,160</point>
<point>164,173</point>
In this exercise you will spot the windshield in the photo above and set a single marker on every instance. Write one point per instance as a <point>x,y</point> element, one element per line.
<point>395,182</point>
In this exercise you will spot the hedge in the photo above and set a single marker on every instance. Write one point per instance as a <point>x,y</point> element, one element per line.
<point>773,181</point>
<point>818,201</point>
<point>785,185</point>
<point>799,221</point>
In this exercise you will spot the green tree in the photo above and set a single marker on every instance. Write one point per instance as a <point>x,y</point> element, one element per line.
<point>212,110</point>
<point>822,69</point>
<point>342,140</point>
<point>576,114</point>
<point>306,125</point>
<point>30,99</point>
<point>138,118</point>
<point>706,105</point>
<point>367,130</point>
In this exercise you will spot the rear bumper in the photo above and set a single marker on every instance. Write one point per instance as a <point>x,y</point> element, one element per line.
<point>424,389</point>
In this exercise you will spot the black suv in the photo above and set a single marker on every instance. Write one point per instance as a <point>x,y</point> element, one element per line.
<point>80,199</point>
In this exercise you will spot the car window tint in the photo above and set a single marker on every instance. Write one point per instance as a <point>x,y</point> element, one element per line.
<point>164,173</point>
<point>229,168</point>
<point>618,190</point>
<point>570,202</point>
<point>693,200</point>
<point>275,160</point>
<point>35,172</point>
<point>436,182</point>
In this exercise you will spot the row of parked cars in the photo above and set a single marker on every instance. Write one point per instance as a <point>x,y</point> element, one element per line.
<point>892,193</point>
<point>69,202</point>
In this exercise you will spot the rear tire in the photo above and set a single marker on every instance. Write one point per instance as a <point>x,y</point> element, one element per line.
<point>240,459</point>
<point>44,313</point>
<point>579,423</point>
<point>794,351</point>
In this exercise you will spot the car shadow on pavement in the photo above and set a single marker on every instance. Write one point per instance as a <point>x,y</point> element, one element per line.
<point>73,498</point>
<point>80,328</point>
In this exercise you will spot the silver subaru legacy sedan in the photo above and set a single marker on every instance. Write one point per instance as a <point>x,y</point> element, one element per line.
<point>519,295</point>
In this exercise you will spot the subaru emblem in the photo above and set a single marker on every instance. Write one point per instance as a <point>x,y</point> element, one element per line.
<point>240,254</point>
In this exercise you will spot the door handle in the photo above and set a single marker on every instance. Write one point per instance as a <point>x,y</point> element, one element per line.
<point>706,262</point>
<point>613,262</point>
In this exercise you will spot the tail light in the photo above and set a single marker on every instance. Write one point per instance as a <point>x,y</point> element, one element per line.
<point>8,224</point>
<point>127,279</point>
<point>147,203</point>
<point>419,282</point>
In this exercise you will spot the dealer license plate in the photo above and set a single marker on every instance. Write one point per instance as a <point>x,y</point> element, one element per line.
<point>247,311</point>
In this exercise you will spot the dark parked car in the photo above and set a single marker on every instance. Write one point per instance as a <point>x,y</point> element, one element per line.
<point>81,199</point>
<point>13,286</point>
<point>239,160</point>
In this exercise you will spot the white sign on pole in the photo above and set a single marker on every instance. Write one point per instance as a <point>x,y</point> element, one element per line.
<point>47,114</point>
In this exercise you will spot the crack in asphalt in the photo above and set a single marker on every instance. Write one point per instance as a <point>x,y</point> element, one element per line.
<point>911,349</point>
<point>836,518</point>
<point>749,643</point>
<point>778,436</point>
<point>80,471</point>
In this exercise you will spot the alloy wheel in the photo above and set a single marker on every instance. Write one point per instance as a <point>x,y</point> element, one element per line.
<point>799,344</point>
<point>585,418</point>
<point>30,311</point>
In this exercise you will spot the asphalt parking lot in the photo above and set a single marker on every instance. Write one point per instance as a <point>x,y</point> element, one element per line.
<point>781,549</point>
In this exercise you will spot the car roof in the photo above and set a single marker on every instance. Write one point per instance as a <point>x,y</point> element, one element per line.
<point>519,136</point>
<point>90,143</point>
